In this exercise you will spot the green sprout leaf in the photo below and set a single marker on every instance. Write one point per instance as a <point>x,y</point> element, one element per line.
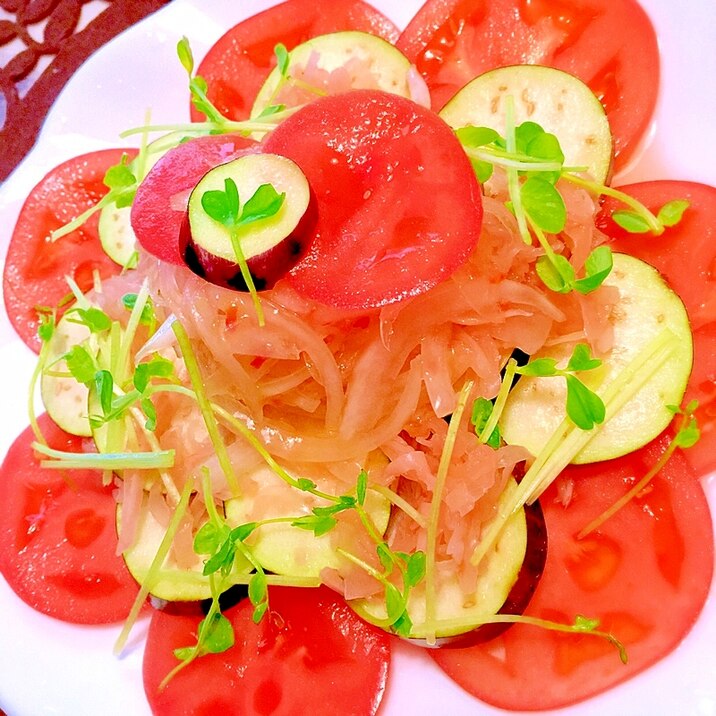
<point>222,206</point>
<point>415,571</point>
<point>582,623</point>
<point>242,532</point>
<point>525,134</point>
<point>129,300</point>
<point>271,109</point>
<point>217,635</point>
<point>265,203</point>
<point>689,434</point>
<point>546,146</point>
<point>94,318</point>
<point>476,136</point>
<point>185,55</point>
<point>222,560</point>
<point>597,267</point>
<point>258,594</point>
<point>585,408</point>
<point>481,412</point>
<point>672,212</point>
<point>394,602</point>
<point>581,359</point>
<point>403,625</point>
<point>541,367</point>
<point>282,59</point>
<point>318,524</point>
<point>150,412</point>
<point>104,384</point>
<point>631,221</point>
<point>361,487</point>
<point>556,273</point>
<point>46,324</point>
<point>386,557</point>
<point>544,204</point>
<point>121,182</point>
<point>157,367</point>
<point>81,365</point>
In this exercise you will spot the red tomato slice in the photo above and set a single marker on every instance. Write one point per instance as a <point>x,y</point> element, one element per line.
<point>159,207</point>
<point>645,573</point>
<point>686,255</point>
<point>609,44</point>
<point>237,65</point>
<point>35,267</point>
<point>309,655</point>
<point>57,536</point>
<point>397,203</point>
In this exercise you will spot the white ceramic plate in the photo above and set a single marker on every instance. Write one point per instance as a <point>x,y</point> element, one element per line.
<point>47,667</point>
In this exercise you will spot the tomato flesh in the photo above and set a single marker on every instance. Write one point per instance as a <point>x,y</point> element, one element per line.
<point>609,44</point>
<point>645,574</point>
<point>398,206</point>
<point>57,536</point>
<point>685,254</point>
<point>309,655</point>
<point>238,63</point>
<point>35,267</point>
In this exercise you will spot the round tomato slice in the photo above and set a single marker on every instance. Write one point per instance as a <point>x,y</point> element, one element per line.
<point>35,267</point>
<point>645,574</point>
<point>237,65</point>
<point>609,44</point>
<point>57,535</point>
<point>686,256</point>
<point>310,654</point>
<point>159,207</point>
<point>398,207</point>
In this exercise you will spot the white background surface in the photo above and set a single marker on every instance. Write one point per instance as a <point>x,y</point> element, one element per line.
<point>47,667</point>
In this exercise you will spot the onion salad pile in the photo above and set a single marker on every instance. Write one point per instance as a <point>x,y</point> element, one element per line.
<point>371,354</point>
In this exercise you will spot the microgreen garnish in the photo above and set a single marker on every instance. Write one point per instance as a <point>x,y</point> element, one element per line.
<point>481,412</point>
<point>81,364</point>
<point>47,322</point>
<point>282,59</point>
<point>271,110</point>
<point>224,207</point>
<point>635,222</point>
<point>535,157</point>
<point>584,407</point>
<point>121,181</point>
<point>686,436</point>
<point>580,625</point>
<point>197,85</point>
<point>95,319</point>
<point>568,439</point>
<point>147,317</point>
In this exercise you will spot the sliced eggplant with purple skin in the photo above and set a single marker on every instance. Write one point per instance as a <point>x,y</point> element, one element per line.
<point>262,217</point>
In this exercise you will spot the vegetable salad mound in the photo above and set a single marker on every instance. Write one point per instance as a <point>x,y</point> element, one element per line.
<point>371,350</point>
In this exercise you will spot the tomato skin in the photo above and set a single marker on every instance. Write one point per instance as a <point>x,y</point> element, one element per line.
<point>35,267</point>
<point>309,655</point>
<point>685,255</point>
<point>609,44</point>
<point>57,536</point>
<point>159,207</point>
<point>398,205</point>
<point>645,573</point>
<point>238,63</point>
